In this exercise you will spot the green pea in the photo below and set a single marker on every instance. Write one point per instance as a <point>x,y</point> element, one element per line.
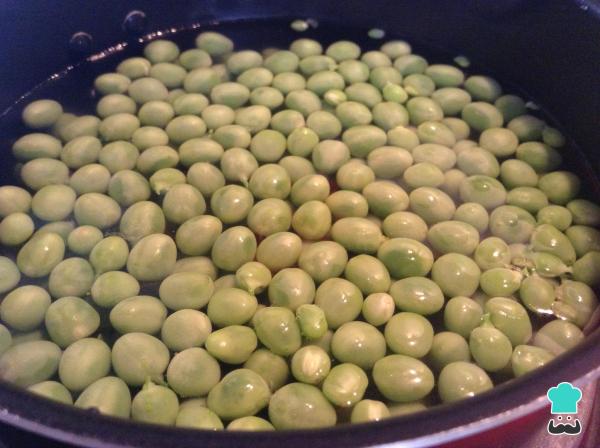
<point>109,254</point>
<point>310,364</point>
<point>93,178</point>
<point>323,260</point>
<point>193,372</point>
<point>97,210</point>
<point>500,282</point>
<point>586,268</point>
<point>267,96</point>
<point>109,395</point>
<point>233,344</point>
<point>185,329</point>
<point>277,329</point>
<point>312,220</point>
<point>483,88</point>
<point>183,202</point>
<point>511,106</point>
<point>84,362</point>
<point>378,308</point>
<point>526,358</point>
<point>300,406</point>
<point>345,385</point>
<point>197,235</point>
<point>38,173</point>
<point>473,214</point>
<point>215,44</point>
<point>547,238</point>
<point>156,158</point>
<point>511,318</point>
<point>152,258</point>
<point>558,336</point>
<point>556,215</point>
<point>41,113</point>
<point>71,277</point>
<point>369,411</point>
<point>354,175</point>
<point>481,116</point>
<point>75,127</point>
<point>448,347</point>
<point>483,190</point>
<point>358,343</point>
<point>279,250</point>
<point>453,179</point>
<point>357,234</point>
<point>14,200</point>
<point>460,380</point>
<point>537,294</point>
<point>143,314</point>
<point>402,379</point>
<point>231,306</point>
<point>111,287</point>
<point>409,334</point>
<point>311,321</point>
<point>459,128</point>
<point>29,363</point>
<point>431,204</point>
<point>584,212</point>
<point>61,228</point>
<point>490,348</point>
<point>462,315</point>
<point>193,413</point>
<point>453,236</point>
<point>451,100</point>
<point>340,300</point>
<point>272,368</point>
<point>139,356</point>
<point>155,404</point>
<point>361,140</point>
<point>114,103</point>
<point>385,198</point>
<point>238,164</point>
<point>52,390</point>
<point>36,259</point>
<point>200,150</point>
<point>253,277</point>
<point>512,224</point>
<point>368,273</point>
<point>198,265</point>
<point>352,113</point>
<point>405,257</point>
<point>456,274</point>
<point>6,339</point>
<point>254,118</point>
<point>580,298</point>
<point>16,228</point>
<point>344,204</point>
<point>37,145</point>
<point>186,290</point>
<point>206,178</point>
<point>24,308</point>
<point>128,187</point>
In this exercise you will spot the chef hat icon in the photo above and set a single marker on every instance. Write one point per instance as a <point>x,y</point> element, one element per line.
<point>564,398</point>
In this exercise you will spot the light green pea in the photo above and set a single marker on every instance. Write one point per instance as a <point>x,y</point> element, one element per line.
<point>453,179</point>
<point>417,84</point>
<point>234,247</point>
<point>111,287</point>
<point>483,88</point>
<point>492,252</point>
<point>381,77</point>
<point>511,318</point>
<point>201,80</point>
<point>109,395</point>
<point>378,308</point>
<point>272,368</point>
<point>138,314</point>
<point>93,178</point>
<point>558,336</point>
<point>270,216</point>
<point>431,204</point>
<point>324,124</point>
<point>500,282</point>
<point>402,379</point>
<point>155,404</point>
<point>231,306</point>
<point>146,90</point>
<point>206,178</point>
<point>323,260</point>
<point>460,380</point>
<point>340,300</point>
<point>512,224</point>
<point>312,220</point>
<point>388,162</point>
<point>527,127</point>
<point>118,155</point>
<point>193,413</point>
<point>422,109</point>
<point>310,187</point>
<point>586,268</point>
<point>352,113</point>
<point>459,128</point>
<point>528,198</point>
<point>385,198</point>
<point>345,385</point>
<point>267,96</point>
<point>451,100</point>
<point>195,58</point>
<point>453,236</point>
<point>16,228</point>
<point>253,277</point>
<point>291,288</point>
<point>580,298</point>
<point>156,158</point>
<point>61,228</point>
<point>445,75</point>
<point>171,75</point>
<point>499,141</point>
<point>456,275</point>
<point>409,334</point>
<point>553,137</point>
<point>448,347</point>
<point>69,319</point>
<point>483,190</point>
<point>476,160</point>
<point>311,321</point>
<point>97,210</point>
<point>300,406</point>
<point>38,173</point>
<point>345,204</point>
<point>29,363</point>
<point>511,106</point>
<point>186,290</point>
<point>329,155</point>
<point>368,273</point>
<point>190,104</point>
<point>418,295</point>
<point>537,294</point>
<point>215,44</point>
<point>37,145</point>
<point>71,277</point>
<point>52,390</point>
<point>255,77</point>
<point>197,235</point>
<point>198,265</point>
<point>193,372</point>
<point>119,126</point>
<point>541,157</point>
<point>14,200</point>
<point>361,140</point>
<point>584,212</point>
<point>114,103</point>
<point>490,348</point>
<point>200,150</point>
<point>526,358</point>
<point>279,250</point>
<point>462,315</point>
<point>141,220</point>
<point>358,235</point>
<point>111,83</point>
<point>358,343</point>
<point>408,64</point>
<point>36,259</point>
<point>183,202</point>
<point>277,329</point>
<point>185,329</point>
<point>41,113</point>
<point>156,113</point>
<point>388,115</point>
<point>310,365</point>
<point>369,411</point>
<point>324,341</point>
<point>109,254</point>
<point>230,94</point>
<point>556,215</point>
<point>354,175</point>
<point>473,214</point>
<point>84,362</point>
<point>162,180</point>
<point>128,187</point>
<point>139,356</point>
<point>560,186</point>
<point>405,257</point>
<point>152,258</point>
<point>286,121</point>
<point>444,158</point>
<point>75,127</point>
<point>232,345</point>
<point>24,308</point>
<point>481,116</point>
<point>238,164</point>
<point>405,225</point>
<point>547,238</point>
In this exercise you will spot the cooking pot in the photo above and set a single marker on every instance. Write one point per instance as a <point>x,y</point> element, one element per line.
<point>548,48</point>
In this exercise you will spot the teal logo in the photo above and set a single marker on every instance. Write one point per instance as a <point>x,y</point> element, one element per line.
<point>564,399</point>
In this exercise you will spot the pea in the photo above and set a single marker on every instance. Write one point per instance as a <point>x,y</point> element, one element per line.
<point>323,260</point>
<point>409,334</point>
<point>312,220</point>
<point>271,367</point>
<point>345,385</point>
<point>586,268</point>
<point>460,380</point>
<point>361,140</point>
<point>310,365</point>
<point>152,258</point>
<point>71,277</point>
<point>84,362</point>
<point>580,298</point>
<point>448,347</point>
<point>456,274</point>
<point>109,254</point>
<point>431,204</point>
<point>358,343</point>
<point>557,336</point>
<point>198,265</point>
<point>526,358</point>
<point>453,237</point>
<point>233,344</point>
<point>29,363</point>
<point>402,379</point>
<point>38,173</point>
<point>144,314</point>
<point>193,413</point>
<point>354,175</point>
<point>155,404</point>
<point>512,224</point>
<point>490,348</point>
<point>92,178</point>
<point>23,309</point>
<point>511,318</point>
<point>36,259</point>
<point>511,106</point>
<point>311,321</point>
<point>329,155</point>
<point>128,187</point>
<point>556,215</point>
<point>340,300</point>
<point>14,200</point>
<point>97,210</point>
<point>300,406</point>
<point>37,145</point>
<point>109,395</point>
<point>452,181</point>
<point>200,150</point>
<point>185,329</point>
<point>357,234</point>
<point>584,212</point>
<point>52,390</point>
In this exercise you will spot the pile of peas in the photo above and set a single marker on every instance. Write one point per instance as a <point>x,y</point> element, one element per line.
<point>311,235</point>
